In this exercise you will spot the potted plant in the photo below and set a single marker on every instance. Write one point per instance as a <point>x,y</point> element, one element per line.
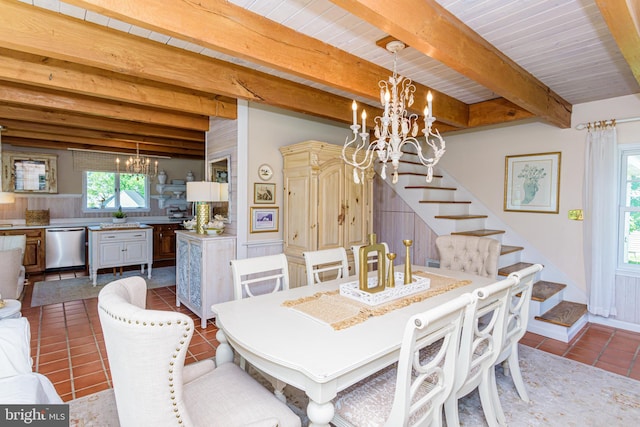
<point>119,216</point>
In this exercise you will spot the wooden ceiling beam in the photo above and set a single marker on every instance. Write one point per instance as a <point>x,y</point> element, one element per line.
<point>623,19</point>
<point>19,67</point>
<point>24,95</point>
<point>41,32</point>
<point>54,145</point>
<point>217,25</point>
<point>26,126</point>
<point>53,140</point>
<point>81,121</point>
<point>434,31</point>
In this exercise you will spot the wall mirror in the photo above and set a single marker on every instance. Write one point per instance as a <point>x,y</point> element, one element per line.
<point>29,172</point>
<point>219,171</point>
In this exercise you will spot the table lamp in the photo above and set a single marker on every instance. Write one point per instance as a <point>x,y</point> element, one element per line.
<point>201,193</point>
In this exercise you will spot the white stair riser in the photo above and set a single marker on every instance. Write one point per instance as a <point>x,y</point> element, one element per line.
<point>556,332</point>
<point>509,259</point>
<point>453,209</point>
<point>467,224</point>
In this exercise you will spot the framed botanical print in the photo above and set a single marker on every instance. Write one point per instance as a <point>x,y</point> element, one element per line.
<point>532,183</point>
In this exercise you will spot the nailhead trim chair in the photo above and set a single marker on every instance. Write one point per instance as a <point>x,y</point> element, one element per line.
<point>153,386</point>
<point>11,265</point>
<point>471,254</point>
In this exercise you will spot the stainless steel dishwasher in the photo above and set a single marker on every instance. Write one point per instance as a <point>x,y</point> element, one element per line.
<point>65,247</point>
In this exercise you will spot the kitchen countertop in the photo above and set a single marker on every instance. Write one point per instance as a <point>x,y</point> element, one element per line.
<point>87,222</point>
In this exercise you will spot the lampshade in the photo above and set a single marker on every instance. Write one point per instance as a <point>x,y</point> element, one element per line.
<point>203,191</point>
<point>224,191</point>
<point>6,197</point>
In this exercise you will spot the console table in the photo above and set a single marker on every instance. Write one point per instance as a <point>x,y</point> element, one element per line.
<point>203,271</point>
<point>116,247</point>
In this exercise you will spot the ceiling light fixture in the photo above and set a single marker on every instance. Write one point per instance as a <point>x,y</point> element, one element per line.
<point>138,165</point>
<point>394,129</point>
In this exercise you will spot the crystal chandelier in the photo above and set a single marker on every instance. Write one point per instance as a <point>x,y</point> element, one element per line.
<point>394,129</point>
<point>138,165</point>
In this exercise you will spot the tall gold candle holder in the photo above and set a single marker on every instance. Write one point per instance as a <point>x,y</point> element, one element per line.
<point>391,279</point>
<point>407,262</point>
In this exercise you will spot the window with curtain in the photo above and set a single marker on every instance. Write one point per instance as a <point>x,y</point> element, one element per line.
<point>629,205</point>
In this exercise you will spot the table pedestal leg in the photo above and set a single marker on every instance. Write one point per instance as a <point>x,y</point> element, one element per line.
<point>319,413</point>
<point>224,352</point>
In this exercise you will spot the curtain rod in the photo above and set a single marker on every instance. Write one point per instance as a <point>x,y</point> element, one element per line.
<point>608,122</point>
<point>114,152</point>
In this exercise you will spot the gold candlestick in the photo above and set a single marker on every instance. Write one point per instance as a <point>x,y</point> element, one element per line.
<point>407,263</point>
<point>391,279</point>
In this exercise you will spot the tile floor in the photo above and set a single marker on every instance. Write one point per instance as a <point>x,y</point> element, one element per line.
<point>67,344</point>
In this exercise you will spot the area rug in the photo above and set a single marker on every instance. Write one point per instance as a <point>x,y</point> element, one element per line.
<point>57,291</point>
<point>563,393</point>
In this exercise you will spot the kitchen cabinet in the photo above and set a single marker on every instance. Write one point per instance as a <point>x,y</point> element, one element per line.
<point>110,247</point>
<point>203,271</point>
<point>34,255</point>
<point>322,208</point>
<point>164,241</point>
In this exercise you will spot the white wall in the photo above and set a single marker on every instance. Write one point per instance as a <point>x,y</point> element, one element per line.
<point>476,159</point>
<point>271,128</point>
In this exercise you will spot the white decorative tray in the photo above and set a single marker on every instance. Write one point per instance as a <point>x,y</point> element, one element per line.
<point>352,290</point>
<point>120,225</point>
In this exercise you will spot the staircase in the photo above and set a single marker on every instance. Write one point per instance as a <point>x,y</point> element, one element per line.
<point>448,209</point>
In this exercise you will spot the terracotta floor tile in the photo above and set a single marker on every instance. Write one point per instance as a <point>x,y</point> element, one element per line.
<point>59,376</point>
<point>87,369</point>
<point>83,349</point>
<point>46,368</point>
<point>591,344</point>
<point>53,356</point>
<point>63,388</point>
<point>617,357</point>
<point>586,356</point>
<point>554,347</point>
<point>77,342</point>
<point>86,358</point>
<point>54,346</point>
<point>621,342</point>
<point>612,368</point>
<point>80,382</point>
<point>92,389</point>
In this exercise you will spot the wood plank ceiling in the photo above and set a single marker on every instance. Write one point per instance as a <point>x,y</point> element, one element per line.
<point>110,74</point>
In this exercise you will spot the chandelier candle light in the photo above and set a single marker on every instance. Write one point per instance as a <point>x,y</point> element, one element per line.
<point>139,165</point>
<point>394,129</point>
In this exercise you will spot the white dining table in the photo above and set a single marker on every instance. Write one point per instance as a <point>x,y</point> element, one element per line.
<point>311,355</point>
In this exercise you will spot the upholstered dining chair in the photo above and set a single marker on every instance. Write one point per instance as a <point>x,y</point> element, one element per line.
<point>146,350</point>
<point>319,263</point>
<point>12,250</point>
<point>471,254</point>
<point>372,258</point>
<point>419,385</point>
<point>516,327</point>
<point>480,346</point>
<point>259,275</point>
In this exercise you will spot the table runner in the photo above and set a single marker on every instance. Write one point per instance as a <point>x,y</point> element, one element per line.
<point>342,312</point>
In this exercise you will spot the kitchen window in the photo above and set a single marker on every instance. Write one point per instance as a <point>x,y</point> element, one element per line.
<point>108,191</point>
<point>629,209</point>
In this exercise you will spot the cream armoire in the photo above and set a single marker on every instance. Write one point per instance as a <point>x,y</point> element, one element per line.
<point>323,207</point>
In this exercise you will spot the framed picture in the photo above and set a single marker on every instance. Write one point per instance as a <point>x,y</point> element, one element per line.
<point>264,220</point>
<point>532,183</point>
<point>264,194</point>
<point>220,175</point>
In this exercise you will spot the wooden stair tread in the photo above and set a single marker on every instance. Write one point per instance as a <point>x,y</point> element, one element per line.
<point>506,249</point>
<point>566,313</point>
<point>429,187</point>
<point>459,217</point>
<point>445,201</point>
<point>505,271</point>
<point>418,174</point>
<point>479,233</point>
<point>543,290</point>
